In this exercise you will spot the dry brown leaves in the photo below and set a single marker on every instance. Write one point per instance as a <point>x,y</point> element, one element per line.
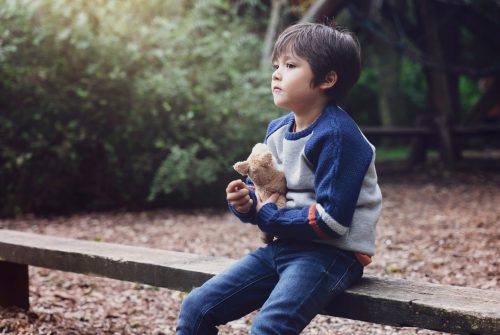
<point>432,229</point>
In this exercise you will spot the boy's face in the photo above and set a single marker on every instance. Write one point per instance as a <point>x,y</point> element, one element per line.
<point>291,84</point>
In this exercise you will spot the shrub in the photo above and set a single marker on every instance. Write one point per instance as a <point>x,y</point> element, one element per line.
<point>107,103</point>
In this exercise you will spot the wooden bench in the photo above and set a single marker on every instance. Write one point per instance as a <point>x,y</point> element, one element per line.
<point>396,302</point>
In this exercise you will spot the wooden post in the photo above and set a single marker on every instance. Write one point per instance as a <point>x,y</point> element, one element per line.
<point>419,145</point>
<point>14,285</point>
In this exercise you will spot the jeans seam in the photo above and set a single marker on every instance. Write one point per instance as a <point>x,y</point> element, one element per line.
<point>318,282</point>
<point>343,276</point>
<point>327,271</point>
<point>204,312</point>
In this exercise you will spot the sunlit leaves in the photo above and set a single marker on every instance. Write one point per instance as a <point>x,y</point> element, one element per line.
<point>121,96</point>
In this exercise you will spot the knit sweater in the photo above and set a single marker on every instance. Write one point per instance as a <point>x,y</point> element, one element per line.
<point>332,191</point>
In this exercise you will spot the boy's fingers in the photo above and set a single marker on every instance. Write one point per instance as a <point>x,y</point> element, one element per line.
<point>237,195</point>
<point>241,201</point>
<point>235,185</point>
<point>244,208</point>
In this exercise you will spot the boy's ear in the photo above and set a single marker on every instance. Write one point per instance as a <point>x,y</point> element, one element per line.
<point>330,80</point>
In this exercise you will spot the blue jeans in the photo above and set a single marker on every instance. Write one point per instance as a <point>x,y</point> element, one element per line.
<point>290,281</point>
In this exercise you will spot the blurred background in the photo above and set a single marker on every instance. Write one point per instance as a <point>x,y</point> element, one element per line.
<point>114,104</point>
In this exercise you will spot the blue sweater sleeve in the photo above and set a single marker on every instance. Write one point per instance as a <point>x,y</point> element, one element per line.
<point>286,222</point>
<point>341,169</point>
<point>340,157</point>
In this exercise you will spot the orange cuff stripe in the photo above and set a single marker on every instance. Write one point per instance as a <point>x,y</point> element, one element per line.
<point>314,225</point>
<point>363,259</point>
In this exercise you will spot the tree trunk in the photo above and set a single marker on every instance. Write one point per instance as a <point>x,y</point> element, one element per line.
<point>439,92</point>
<point>277,9</point>
<point>388,64</point>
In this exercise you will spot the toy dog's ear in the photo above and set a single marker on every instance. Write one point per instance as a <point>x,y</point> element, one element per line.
<point>267,159</point>
<point>242,167</point>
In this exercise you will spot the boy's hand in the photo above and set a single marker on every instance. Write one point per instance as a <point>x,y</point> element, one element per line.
<point>273,198</point>
<point>238,196</point>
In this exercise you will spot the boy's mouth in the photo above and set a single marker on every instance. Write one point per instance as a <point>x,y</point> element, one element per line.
<point>276,89</point>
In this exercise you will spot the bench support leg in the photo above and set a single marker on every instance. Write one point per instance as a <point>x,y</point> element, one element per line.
<point>14,285</point>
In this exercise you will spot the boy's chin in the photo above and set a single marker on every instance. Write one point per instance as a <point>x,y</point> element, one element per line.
<point>280,104</point>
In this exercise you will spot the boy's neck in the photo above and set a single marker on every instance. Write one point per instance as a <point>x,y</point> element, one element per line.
<point>305,119</point>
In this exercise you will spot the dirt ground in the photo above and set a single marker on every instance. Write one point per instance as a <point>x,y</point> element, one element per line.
<point>434,228</point>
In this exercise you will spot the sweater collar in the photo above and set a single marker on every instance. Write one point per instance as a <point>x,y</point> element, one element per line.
<point>290,135</point>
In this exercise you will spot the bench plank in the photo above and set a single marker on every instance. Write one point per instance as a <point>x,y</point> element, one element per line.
<point>416,304</point>
<point>170,269</point>
<point>379,300</point>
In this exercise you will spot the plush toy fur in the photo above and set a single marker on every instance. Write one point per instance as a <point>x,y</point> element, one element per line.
<point>266,178</point>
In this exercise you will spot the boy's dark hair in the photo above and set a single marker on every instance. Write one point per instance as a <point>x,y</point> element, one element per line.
<point>326,49</point>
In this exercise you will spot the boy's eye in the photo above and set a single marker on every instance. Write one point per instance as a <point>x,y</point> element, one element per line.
<point>275,67</point>
<point>290,65</point>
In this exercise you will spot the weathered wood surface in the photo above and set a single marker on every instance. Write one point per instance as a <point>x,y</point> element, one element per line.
<point>162,268</point>
<point>379,300</point>
<point>399,302</point>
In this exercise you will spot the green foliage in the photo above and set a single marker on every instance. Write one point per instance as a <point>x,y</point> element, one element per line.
<point>179,169</point>
<point>104,103</point>
<point>469,93</point>
<point>392,154</point>
<point>414,90</point>
<point>361,102</point>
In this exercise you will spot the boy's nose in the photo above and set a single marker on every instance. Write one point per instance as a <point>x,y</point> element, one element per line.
<point>276,74</point>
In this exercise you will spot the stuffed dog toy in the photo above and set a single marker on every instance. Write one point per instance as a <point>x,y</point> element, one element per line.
<point>265,176</point>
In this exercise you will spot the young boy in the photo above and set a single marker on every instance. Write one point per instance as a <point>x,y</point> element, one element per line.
<point>326,233</point>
